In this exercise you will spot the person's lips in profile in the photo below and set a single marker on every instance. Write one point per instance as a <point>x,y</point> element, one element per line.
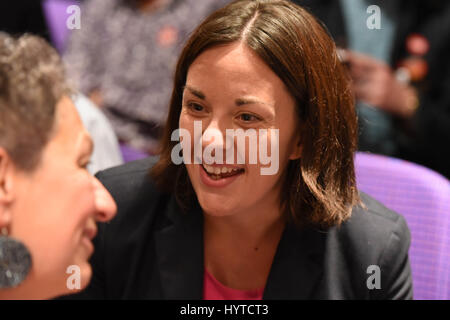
<point>90,232</point>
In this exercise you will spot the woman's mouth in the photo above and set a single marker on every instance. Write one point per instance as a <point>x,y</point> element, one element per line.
<point>221,172</point>
<point>219,175</point>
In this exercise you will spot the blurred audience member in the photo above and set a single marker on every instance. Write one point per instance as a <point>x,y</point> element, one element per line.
<point>124,56</point>
<point>106,153</point>
<point>400,72</point>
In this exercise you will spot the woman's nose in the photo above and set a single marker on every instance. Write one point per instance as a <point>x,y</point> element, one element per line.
<point>213,141</point>
<point>105,204</point>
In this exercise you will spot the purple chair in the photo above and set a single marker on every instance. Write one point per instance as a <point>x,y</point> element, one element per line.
<point>131,154</point>
<point>422,196</point>
<point>56,16</point>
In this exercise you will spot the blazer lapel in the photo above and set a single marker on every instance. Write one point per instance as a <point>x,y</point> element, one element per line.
<point>296,269</point>
<point>297,265</point>
<point>179,251</point>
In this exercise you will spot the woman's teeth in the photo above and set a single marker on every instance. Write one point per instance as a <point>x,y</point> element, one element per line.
<point>221,172</point>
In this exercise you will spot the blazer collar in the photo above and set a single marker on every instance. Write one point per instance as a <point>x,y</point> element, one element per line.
<point>295,271</point>
<point>297,266</point>
<point>179,251</point>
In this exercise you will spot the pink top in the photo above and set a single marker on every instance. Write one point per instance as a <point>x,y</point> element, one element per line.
<point>214,290</point>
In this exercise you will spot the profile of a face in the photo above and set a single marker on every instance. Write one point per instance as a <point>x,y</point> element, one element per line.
<point>53,209</point>
<point>230,87</point>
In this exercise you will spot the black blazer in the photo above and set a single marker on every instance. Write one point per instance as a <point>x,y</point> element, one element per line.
<point>151,250</point>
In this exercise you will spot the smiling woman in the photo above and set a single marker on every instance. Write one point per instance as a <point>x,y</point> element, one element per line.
<point>48,201</point>
<point>198,230</point>
<point>294,82</point>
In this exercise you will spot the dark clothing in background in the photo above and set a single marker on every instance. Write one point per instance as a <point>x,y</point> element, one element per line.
<point>153,250</point>
<point>20,16</point>
<point>425,138</point>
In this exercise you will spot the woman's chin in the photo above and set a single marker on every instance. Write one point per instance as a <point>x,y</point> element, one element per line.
<point>218,207</point>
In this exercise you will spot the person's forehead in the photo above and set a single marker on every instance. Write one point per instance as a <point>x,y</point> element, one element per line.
<point>68,126</point>
<point>239,67</point>
<point>66,112</point>
<point>234,56</point>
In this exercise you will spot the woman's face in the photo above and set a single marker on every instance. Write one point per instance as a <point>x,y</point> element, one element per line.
<point>55,207</point>
<point>230,87</point>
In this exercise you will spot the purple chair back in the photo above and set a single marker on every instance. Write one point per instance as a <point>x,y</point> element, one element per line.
<point>131,154</point>
<point>56,16</point>
<point>422,196</point>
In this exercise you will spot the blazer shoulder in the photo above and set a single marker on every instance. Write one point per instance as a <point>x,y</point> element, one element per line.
<point>377,214</point>
<point>133,167</point>
<point>127,177</point>
<point>373,235</point>
<point>385,237</point>
<point>374,222</point>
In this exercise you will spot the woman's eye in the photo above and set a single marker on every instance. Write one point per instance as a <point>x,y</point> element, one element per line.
<point>246,117</point>
<point>195,107</point>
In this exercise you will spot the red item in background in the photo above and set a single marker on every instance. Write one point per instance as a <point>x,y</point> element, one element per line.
<point>167,36</point>
<point>417,45</point>
<point>416,66</point>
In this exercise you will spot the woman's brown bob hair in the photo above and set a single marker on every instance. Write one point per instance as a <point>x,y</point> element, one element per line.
<point>319,189</point>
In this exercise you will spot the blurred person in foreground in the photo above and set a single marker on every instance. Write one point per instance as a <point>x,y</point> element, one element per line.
<point>397,55</point>
<point>203,229</point>
<point>49,203</point>
<point>124,56</point>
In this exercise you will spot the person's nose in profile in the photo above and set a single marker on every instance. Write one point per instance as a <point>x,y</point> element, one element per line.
<point>104,203</point>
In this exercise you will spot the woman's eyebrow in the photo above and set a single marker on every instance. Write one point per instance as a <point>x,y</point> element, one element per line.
<point>195,92</point>
<point>250,100</point>
<point>239,102</point>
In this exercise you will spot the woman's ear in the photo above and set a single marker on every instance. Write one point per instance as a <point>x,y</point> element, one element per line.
<point>6,187</point>
<point>297,149</point>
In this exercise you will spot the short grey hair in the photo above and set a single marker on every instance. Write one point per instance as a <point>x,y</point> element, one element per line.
<point>32,81</point>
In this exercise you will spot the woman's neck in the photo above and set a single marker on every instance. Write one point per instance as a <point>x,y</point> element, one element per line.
<point>252,227</point>
<point>239,249</point>
<point>250,224</point>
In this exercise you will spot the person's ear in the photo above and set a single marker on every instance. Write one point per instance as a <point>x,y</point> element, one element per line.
<point>6,187</point>
<point>297,149</point>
